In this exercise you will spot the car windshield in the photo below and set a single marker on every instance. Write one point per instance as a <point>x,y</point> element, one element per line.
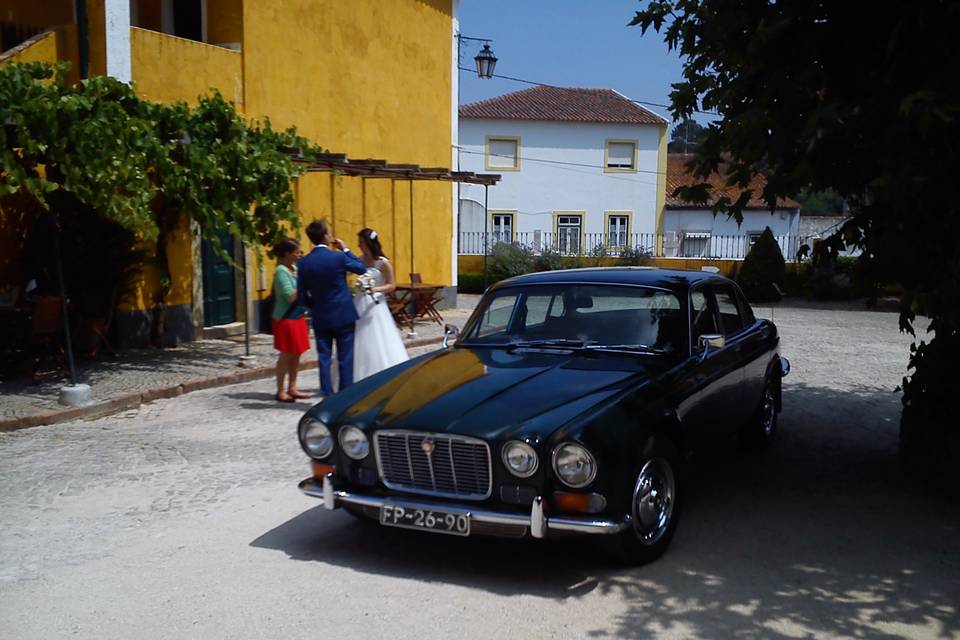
<point>578,316</point>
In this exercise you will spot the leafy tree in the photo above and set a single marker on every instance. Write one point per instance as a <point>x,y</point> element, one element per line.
<point>816,98</point>
<point>97,148</point>
<point>764,270</point>
<point>826,202</point>
<point>685,136</point>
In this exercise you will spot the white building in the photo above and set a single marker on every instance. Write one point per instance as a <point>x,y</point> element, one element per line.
<point>581,168</point>
<point>694,231</point>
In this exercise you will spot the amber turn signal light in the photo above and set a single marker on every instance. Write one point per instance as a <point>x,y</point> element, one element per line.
<point>578,502</point>
<point>320,469</point>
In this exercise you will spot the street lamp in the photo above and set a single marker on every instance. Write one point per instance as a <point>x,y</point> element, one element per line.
<point>486,62</point>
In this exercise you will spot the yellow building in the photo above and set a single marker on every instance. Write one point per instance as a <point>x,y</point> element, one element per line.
<point>368,78</point>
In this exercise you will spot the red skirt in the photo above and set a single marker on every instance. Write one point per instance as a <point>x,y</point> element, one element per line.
<point>290,335</point>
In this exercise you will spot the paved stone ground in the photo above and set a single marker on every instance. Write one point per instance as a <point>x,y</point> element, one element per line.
<point>140,370</point>
<point>182,520</point>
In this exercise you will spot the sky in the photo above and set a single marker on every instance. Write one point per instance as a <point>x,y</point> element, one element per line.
<point>567,43</point>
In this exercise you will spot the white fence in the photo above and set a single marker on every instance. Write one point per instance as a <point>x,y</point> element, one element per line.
<point>664,245</point>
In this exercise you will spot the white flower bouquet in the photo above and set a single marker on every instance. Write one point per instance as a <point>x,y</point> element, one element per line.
<point>366,284</point>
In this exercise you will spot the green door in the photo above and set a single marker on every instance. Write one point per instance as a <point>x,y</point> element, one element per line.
<point>219,291</point>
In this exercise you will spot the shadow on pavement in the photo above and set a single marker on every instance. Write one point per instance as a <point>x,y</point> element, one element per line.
<point>820,536</point>
<point>267,400</point>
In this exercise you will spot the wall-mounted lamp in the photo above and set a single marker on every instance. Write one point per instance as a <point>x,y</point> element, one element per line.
<point>486,62</point>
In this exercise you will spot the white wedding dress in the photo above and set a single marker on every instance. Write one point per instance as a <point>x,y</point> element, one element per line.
<point>376,340</point>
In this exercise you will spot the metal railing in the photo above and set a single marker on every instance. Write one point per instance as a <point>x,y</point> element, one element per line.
<point>663,245</point>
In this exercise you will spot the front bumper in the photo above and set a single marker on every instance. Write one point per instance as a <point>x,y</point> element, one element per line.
<point>536,522</point>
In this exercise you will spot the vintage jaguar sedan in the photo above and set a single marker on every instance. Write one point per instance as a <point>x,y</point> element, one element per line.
<point>566,405</point>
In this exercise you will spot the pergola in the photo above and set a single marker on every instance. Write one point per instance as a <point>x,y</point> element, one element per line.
<point>340,164</point>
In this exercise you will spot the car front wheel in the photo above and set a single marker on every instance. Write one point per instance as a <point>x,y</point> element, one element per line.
<point>654,509</point>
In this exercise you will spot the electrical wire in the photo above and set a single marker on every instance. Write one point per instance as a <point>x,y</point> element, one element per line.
<point>557,162</point>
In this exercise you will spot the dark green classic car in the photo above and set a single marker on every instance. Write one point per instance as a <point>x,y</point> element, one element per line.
<point>565,406</point>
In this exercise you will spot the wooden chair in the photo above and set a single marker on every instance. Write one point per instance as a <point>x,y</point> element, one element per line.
<point>47,359</point>
<point>398,309</point>
<point>425,301</point>
<point>94,326</point>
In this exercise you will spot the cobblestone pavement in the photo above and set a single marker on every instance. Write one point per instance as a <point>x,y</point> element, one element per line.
<point>139,370</point>
<point>182,520</point>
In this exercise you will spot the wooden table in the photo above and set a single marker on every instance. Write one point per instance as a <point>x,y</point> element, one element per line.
<point>422,296</point>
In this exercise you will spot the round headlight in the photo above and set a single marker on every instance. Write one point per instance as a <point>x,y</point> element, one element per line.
<point>354,442</point>
<point>574,465</point>
<point>520,459</point>
<point>315,438</point>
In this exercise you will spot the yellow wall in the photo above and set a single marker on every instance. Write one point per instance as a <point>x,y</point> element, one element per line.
<point>474,264</point>
<point>370,79</point>
<point>224,21</point>
<point>166,68</point>
<point>37,13</point>
<point>96,38</point>
<point>366,77</point>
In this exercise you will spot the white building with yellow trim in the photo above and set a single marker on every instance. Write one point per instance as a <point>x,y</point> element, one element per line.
<point>580,167</point>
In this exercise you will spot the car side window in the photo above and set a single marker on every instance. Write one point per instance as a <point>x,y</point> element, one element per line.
<point>746,311</point>
<point>536,309</point>
<point>497,316</point>
<point>703,322</point>
<point>727,306</point>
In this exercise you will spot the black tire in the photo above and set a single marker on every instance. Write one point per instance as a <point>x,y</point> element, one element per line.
<point>654,507</point>
<point>762,428</point>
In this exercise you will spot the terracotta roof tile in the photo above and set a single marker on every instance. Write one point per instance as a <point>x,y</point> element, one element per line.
<point>562,105</point>
<point>677,176</point>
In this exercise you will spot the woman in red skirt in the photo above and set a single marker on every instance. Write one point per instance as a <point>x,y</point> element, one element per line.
<point>289,324</point>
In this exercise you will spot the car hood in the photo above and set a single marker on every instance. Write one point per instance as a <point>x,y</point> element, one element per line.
<point>495,393</point>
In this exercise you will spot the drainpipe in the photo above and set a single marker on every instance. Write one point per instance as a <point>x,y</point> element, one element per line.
<point>83,37</point>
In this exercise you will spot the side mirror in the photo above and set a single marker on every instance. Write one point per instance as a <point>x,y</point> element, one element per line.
<point>708,341</point>
<point>449,330</point>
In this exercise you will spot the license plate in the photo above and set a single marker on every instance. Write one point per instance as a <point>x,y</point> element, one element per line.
<point>436,520</point>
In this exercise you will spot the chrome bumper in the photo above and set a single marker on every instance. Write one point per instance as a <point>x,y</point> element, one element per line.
<point>537,522</point>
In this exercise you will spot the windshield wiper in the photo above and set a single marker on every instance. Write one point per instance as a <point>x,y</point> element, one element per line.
<point>561,343</point>
<point>624,348</point>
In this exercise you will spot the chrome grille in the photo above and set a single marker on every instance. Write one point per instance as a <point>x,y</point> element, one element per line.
<point>458,466</point>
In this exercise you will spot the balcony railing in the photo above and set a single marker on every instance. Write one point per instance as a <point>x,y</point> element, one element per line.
<point>664,245</point>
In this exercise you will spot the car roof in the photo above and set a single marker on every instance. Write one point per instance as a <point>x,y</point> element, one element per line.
<point>673,279</point>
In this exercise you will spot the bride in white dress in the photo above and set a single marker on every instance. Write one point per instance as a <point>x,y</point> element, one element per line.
<point>376,343</point>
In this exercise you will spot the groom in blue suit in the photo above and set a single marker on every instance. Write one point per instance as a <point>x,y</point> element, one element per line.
<point>322,287</point>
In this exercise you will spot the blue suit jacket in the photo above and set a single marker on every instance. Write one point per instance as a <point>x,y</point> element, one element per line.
<point>322,286</point>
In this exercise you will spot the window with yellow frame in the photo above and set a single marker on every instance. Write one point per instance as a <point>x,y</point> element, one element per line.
<point>503,225</point>
<point>503,153</point>
<point>568,231</point>
<point>616,226</point>
<point>620,156</point>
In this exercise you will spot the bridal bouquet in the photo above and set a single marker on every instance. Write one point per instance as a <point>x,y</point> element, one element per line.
<point>366,284</point>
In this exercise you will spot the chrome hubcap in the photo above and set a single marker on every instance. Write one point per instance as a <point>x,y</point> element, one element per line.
<point>653,498</point>
<point>769,411</point>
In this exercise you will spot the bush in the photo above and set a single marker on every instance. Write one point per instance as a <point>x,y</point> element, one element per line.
<point>547,260</point>
<point>470,282</point>
<point>832,278</point>
<point>634,257</point>
<point>508,259</point>
<point>763,272</point>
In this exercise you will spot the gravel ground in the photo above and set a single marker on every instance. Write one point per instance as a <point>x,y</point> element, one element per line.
<point>182,520</point>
